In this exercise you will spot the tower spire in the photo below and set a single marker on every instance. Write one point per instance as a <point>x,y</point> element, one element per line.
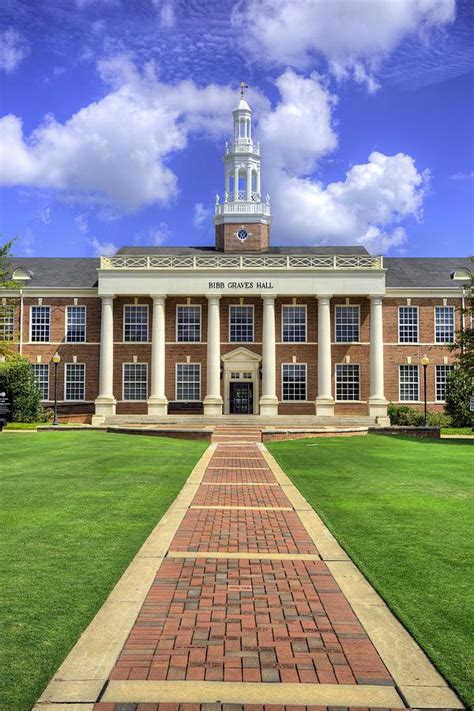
<point>242,185</point>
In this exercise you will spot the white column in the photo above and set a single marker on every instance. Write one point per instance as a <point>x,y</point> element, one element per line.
<point>105,402</point>
<point>157,402</point>
<point>268,399</point>
<point>324,400</point>
<point>236,183</point>
<point>213,399</point>
<point>249,184</point>
<point>257,186</point>
<point>377,401</point>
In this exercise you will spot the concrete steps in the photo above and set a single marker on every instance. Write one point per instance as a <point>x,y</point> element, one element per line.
<point>233,435</point>
<point>242,421</point>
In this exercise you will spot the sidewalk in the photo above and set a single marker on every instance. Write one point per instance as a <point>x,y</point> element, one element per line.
<point>242,597</point>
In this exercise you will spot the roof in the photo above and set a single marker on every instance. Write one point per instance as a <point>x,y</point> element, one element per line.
<point>271,250</point>
<point>402,272</point>
<point>424,272</point>
<point>59,272</point>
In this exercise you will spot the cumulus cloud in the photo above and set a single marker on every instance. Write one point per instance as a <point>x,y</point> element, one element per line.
<point>167,18</point>
<point>365,208</point>
<point>115,150</point>
<point>352,35</point>
<point>105,249</point>
<point>45,215</point>
<point>201,214</point>
<point>82,223</point>
<point>13,49</point>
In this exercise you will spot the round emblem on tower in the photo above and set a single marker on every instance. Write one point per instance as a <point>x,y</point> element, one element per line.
<point>242,234</point>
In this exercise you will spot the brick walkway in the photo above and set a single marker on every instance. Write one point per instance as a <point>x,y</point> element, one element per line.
<point>253,615</point>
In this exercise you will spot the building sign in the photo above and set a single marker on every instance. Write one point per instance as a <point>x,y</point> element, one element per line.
<point>5,406</point>
<point>240,285</point>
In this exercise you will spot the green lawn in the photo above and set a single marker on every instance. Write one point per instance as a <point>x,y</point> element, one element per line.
<point>457,431</point>
<point>403,509</point>
<point>76,506</point>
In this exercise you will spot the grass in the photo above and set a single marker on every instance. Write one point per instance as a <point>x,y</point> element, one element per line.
<point>402,508</point>
<point>22,425</point>
<point>457,431</point>
<point>76,506</point>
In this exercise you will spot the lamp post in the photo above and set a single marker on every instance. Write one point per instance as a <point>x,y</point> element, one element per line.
<point>56,361</point>
<point>425,362</point>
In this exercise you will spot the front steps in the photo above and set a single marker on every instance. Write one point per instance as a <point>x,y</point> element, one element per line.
<point>246,422</point>
<point>234,435</point>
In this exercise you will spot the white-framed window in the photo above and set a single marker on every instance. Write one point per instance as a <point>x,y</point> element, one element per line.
<point>41,373</point>
<point>442,374</point>
<point>444,324</point>
<point>76,324</point>
<point>408,324</point>
<point>409,383</point>
<point>135,323</point>
<point>7,322</point>
<point>347,324</point>
<point>240,324</point>
<point>40,324</point>
<point>135,381</point>
<point>347,381</point>
<point>293,324</point>
<point>74,381</point>
<point>188,323</point>
<point>188,381</point>
<point>293,381</point>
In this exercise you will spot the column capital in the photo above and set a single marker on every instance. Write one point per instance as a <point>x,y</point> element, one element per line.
<point>213,297</point>
<point>269,297</point>
<point>108,298</point>
<point>157,297</point>
<point>375,299</point>
<point>324,299</point>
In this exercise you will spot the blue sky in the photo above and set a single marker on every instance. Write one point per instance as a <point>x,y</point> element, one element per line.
<point>114,115</point>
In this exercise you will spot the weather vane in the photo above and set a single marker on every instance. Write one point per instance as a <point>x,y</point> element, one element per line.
<point>243,87</point>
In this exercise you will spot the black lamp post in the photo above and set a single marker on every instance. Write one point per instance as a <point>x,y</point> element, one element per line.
<point>56,361</point>
<point>425,362</point>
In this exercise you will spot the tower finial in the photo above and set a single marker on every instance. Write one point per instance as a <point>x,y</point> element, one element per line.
<point>243,86</point>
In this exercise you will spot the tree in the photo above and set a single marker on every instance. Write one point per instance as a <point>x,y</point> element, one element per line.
<point>6,340</point>
<point>19,382</point>
<point>460,385</point>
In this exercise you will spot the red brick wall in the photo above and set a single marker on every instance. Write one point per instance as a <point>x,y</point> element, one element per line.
<point>89,352</point>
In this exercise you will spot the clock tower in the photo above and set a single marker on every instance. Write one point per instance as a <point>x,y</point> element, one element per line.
<point>243,219</point>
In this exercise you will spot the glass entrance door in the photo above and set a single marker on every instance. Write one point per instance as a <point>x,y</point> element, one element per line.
<point>241,398</point>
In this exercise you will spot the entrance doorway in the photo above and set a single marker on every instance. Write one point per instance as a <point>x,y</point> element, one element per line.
<point>241,398</point>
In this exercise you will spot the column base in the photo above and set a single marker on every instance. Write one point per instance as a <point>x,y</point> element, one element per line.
<point>268,406</point>
<point>104,407</point>
<point>378,409</point>
<point>157,406</point>
<point>213,406</point>
<point>324,407</point>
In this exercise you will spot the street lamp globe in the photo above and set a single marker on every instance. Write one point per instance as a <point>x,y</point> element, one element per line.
<point>425,360</point>
<point>56,358</point>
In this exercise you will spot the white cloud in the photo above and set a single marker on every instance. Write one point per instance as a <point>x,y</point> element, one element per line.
<point>462,176</point>
<point>13,49</point>
<point>153,236</point>
<point>167,18</point>
<point>82,223</point>
<point>103,249</point>
<point>45,216</point>
<point>201,214</point>
<point>115,150</point>
<point>352,35</point>
<point>365,208</point>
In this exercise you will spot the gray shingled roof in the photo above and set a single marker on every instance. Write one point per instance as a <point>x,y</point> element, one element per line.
<point>59,272</point>
<point>402,272</point>
<point>424,272</point>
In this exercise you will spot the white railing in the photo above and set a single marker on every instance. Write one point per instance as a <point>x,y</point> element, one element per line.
<point>258,262</point>
<point>242,148</point>
<point>242,207</point>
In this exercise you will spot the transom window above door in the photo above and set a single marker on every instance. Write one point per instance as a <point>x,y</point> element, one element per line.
<point>241,324</point>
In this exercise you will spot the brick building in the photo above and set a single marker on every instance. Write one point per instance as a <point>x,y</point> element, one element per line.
<point>241,327</point>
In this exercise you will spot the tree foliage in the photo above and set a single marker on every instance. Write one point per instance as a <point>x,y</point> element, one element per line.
<point>6,283</point>
<point>17,378</point>
<point>458,395</point>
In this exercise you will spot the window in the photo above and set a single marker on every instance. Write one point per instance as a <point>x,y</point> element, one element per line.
<point>409,383</point>
<point>347,382</point>
<point>135,323</point>
<point>76,324</point>
<point>135,381</point>
<point>7,316</point>
<point>444,324</point>
<point>294,324</point>
<point>41,373</point>
<point>75,381</point>
<point>347,324</point>
<point>40,324</point>
<point>442,374</point>
<point>293,384</point>
<point>188,319</point>
<point>241,324</point>
<point>188,381</point>
<point>408,324</point>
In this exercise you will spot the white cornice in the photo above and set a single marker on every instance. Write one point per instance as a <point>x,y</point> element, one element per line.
<point>35,291</point>
<point>426,292</point>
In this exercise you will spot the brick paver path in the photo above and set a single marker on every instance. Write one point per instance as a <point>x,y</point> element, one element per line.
<point>238,619</point>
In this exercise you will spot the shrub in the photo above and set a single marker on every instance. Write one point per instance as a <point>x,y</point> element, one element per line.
<point>18,379</point>
<point>458,395</point>
<point>406,416</point>
<point>439,419</point>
